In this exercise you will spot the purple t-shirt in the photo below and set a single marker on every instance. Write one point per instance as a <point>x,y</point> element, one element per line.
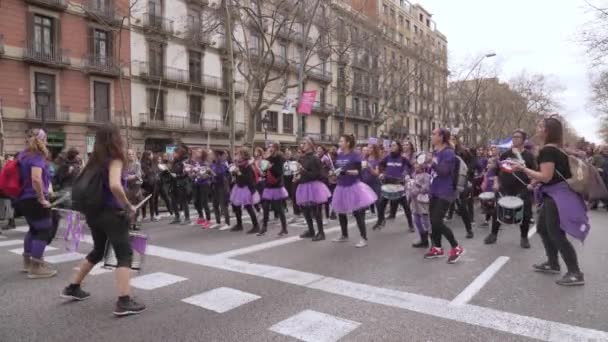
<point>366,175</point>
<point>28,160</point>
<point>348,161</point>
<point>396,167</point>
<point>442,174</point>
<point>109,199</point>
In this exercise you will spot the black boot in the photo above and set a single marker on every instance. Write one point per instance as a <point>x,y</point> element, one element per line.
<point>308,234</point>
<point>423,243</point>
<point>320,236</point>
<point>236,228</point>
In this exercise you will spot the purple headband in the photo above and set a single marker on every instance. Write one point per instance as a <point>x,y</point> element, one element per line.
<point>41,134</point>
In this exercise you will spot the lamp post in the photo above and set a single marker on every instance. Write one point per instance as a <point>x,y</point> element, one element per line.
<point>265,124</point>
<point>42,99</point>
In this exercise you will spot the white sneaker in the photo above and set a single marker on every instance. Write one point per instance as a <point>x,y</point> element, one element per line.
<point>292,219</point>
<point>224,227</point>
<point>215,226</point>
<point>341,239</point>
<point>361,244</point>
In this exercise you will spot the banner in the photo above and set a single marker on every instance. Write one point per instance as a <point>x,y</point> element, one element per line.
<point>307,101</point>
<point>372,141</point>
<point>287,104</point>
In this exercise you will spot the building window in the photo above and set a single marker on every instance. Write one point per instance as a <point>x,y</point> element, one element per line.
<point>283,52</point>
<point>156,56</point>
<point>356,130</point>
<point>421,17</point>
<point>341,127</point>
<point>44,39</point>
<point>356,106</point>
<point>273,124</point>
<point>375,108</point>
<point>393,15</point>
<point>194,67</point>
<point>366,107</point>
<point>401,38</point>
<point>323,96</point>
<point>101,101</point>
<point>303,123</point>
<point>49,80</point>
<point>196,109</point>
<point>323,126</point>
<point>400,20</point>
<point>365,131</point>
<point>287,123</point>
<point>408,24</point>
<point>102,46</point>
<point>156,104</point>
<point>385,9</point>
<point>256,44</point>
<point>428,23</point>
<point>225,118</point>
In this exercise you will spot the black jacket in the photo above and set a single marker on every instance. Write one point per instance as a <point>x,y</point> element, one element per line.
<point>311,168</point>
<point>246,178</point>
<point>275,172</point>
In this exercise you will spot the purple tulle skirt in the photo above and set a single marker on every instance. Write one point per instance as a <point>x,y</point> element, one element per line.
<point>242,196</point>
<point>348,199</point>
<point>312,193</point>
<point>273,194</point>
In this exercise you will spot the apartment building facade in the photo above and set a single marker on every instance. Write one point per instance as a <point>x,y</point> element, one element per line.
<point>70,51</point>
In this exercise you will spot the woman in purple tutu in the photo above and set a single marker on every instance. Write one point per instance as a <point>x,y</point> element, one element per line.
<point>311,192</point>
<point>243,192</point>
<point>351,195</point>
<point>274,191</point>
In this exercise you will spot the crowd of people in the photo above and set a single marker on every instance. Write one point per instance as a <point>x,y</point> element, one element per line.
<point>319,183</point>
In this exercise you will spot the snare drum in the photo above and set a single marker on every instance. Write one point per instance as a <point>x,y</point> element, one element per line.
<point>138,241</point>
<point>487,201</point>
<point>393,191</point>
<point>510,210</point>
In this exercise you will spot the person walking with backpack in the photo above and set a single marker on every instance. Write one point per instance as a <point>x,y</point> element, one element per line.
<point>562,210</point>
<point>107,213</point>
<point>443,193</point>
<point>32,202</point>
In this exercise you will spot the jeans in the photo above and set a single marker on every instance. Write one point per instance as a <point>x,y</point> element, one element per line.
<point>180,200</point>
<point>554,238</point>
<point>438,209</point>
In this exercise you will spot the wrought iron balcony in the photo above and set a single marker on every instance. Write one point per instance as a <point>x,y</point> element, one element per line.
<point>268,58</point>
<point>103,13</point>
<point>101,65</point>
<point>152,22</point>
<point>57,5</point>
<point>322,108</point>
<point>317,73</point>
<point>187,123</point>
<point>46,55</point>
<point>323,138</point>
<point>51,113</point>
<point>198,2</point>
<point>102,116</point>
<point>197,35</point>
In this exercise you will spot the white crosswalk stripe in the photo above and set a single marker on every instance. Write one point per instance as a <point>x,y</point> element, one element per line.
<point>222,299</point>
<point>313,326</point>
<point>61,258</point>
<point>10,243</point>
<point>155,280</point>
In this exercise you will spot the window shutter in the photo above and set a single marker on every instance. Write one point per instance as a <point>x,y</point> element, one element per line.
<point>91,43</point>
<point>110,47</point>
<point>30,30</point>
<point>57,29</point>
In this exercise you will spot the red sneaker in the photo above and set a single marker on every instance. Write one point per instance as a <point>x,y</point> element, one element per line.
<point>434,252</point>
<point>455,254</point>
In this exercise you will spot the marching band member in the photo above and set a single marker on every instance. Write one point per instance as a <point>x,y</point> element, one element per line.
<point>134,182</point>
<point>274,192</point>
<point>394,167</point>
<point>515,184</point>
<point>419,187</point>
<point>311,192</point>
<point>110,224</point>
<point>180,185</point>
<point>562,210</point>
<point>370,173</point>
<point>201,175</point>
<point>443,194</point>
<point>220,187</point>
<point>149,180</point>
<point>351,195</point>
<point>243,192</point>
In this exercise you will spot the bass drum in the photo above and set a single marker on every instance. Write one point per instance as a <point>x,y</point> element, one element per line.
<point>510,210</point>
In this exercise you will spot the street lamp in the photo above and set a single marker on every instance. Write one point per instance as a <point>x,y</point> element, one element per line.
<point>42,99</point>
<point>265,124</point>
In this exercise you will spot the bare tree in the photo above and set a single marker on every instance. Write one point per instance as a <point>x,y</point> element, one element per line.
<point>595,33</point>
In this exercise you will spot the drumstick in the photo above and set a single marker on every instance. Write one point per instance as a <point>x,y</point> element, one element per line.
<point>142,202</point>
<point>61,200</point>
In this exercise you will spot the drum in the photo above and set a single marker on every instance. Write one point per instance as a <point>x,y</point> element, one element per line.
<point>510,210</point>
<point>487,201</point>
<point>138,241</point>
<point>294,167</point>
<point>393,191</point>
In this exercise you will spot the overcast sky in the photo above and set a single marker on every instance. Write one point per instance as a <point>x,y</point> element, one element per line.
<point>536,35</point>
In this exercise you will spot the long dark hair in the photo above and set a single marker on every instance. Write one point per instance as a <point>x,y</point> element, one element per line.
<point>145,161</point>
<point>350,140</point>
<point>554,131</point>
<point>108,146</point>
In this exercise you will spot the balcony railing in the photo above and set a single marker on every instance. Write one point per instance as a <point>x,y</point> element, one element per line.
<point>322,108</point>
<point>181,76</point>
<point>105,13</point>
<point>50,56</point>
<point>101,65</point>
<point>176,122</point>
<point>322,138</point>
<point>199,2</point>
<point>267,58</point>
<point>197,35</point>
<point>58,5</point>
<point>1,44</point>
<point>51,114</point>
<point>153,22</point>
<point>103,116</point>
<point>319,74</point>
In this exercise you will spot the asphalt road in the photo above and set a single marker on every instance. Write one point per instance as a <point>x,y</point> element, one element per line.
<point>211,285</point>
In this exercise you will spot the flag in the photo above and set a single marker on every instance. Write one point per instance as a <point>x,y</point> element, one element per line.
<point>307,101</point>
<point>287,104</point>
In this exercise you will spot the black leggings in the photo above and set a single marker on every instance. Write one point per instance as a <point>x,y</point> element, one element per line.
<point>554,238</point>
<point>180,200</point>
<point>316,212</point>
<point>438,209</point>
<point>359,217</point>
<point>277,207</point>
<point>110,225</point>
<point>220,203</point>
<point>160,189</point>
<point>393,207</point>
<point>145,193</point>
<point>238,212</point>
<point>201,200</point>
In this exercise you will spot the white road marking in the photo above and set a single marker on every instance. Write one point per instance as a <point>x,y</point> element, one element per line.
<point>221,300</point>
<point>10,243</point>
<point>19,251</point>
<point>2,237</point>
<point>470,314</point>
<point>313,326</point>
<point>155,280</point>
<point>22,229</point>
<point>532,231</point>
<point>66,257</point>
<point>482,279</point>
<point>96,270</point>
